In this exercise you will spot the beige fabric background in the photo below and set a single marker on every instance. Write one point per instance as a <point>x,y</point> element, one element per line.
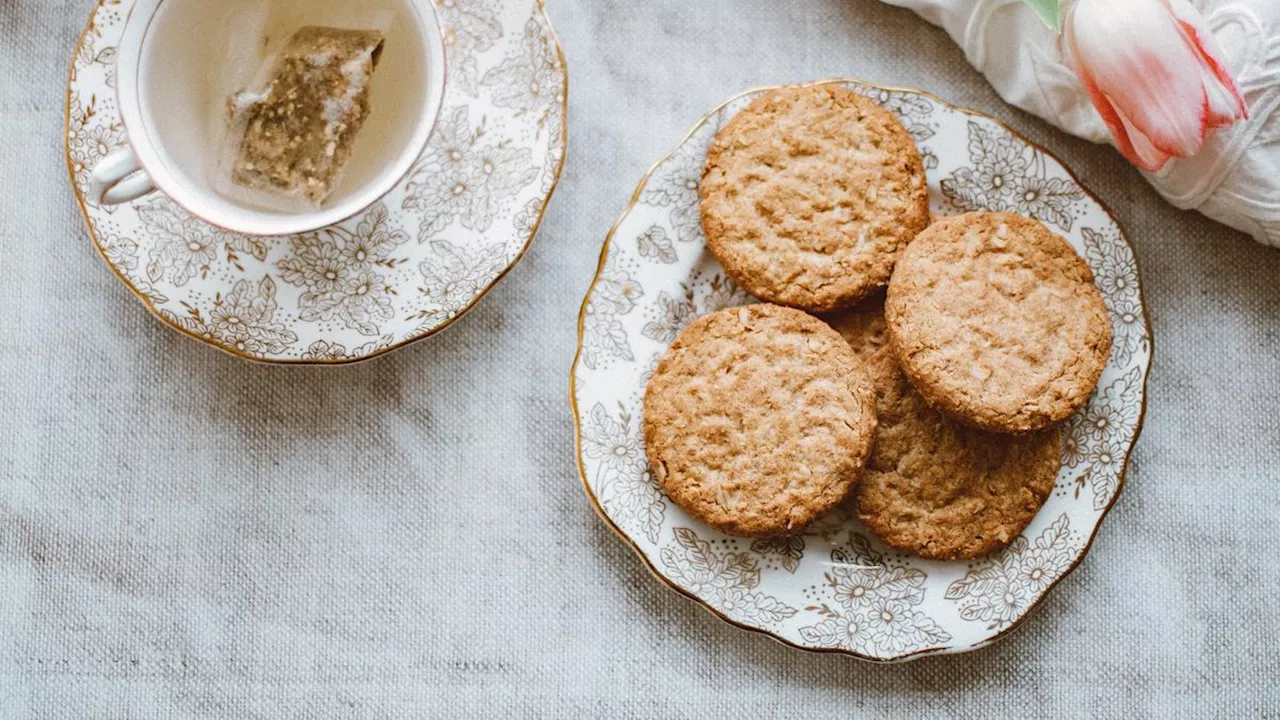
<point>183,534</point>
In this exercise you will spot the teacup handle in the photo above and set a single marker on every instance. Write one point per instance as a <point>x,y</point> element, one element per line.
<point>119,178</point>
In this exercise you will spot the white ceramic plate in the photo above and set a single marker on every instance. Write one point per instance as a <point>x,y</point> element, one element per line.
<point>402,270</point>
<point>836,588</point>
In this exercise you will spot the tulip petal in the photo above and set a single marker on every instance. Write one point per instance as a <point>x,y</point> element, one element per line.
<point>1149,157</point>
<point>1110,117</point>
<point>1129,141</point>
<point>1132,52</point>
<point>1226,104</point>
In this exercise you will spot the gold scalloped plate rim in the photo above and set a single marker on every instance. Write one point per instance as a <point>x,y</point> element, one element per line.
<point>653,570</point>
<point>151,308</point>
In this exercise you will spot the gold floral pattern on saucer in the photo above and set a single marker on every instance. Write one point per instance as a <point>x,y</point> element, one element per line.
<point>402,270</point>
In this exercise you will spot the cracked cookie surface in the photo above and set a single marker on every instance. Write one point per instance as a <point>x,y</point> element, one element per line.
<point>809,194</point>
<point>996,321</point>
<point>759,420</point>
<point>932,486</point>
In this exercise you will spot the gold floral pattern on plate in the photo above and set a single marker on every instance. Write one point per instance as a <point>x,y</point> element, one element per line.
<point>835,588</point>
<point>406,267</point>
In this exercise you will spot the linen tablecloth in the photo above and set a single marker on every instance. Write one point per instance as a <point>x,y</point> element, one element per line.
<point>184,534</point>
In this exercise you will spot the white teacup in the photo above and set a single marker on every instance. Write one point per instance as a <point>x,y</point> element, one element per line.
<point>173,84</point>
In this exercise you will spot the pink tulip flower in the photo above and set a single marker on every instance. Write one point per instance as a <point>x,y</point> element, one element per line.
<point>1155,73</point>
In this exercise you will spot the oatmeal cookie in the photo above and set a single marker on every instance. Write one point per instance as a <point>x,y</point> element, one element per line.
<point>932,486</point>
<point>996,321</point>
<point>758,420</point>
<point>810,193</point>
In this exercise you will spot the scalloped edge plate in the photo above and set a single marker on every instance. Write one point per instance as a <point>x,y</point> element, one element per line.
<point>836,589</point>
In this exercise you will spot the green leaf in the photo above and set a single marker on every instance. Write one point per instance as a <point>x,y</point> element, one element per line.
<point>1047,10</point>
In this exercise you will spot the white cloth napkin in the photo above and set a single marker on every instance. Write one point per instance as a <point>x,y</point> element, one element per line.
<point>1235,179</point>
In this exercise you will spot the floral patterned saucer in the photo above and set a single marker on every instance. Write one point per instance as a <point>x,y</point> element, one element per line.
<point>404,269</point>
<point>836,588</point>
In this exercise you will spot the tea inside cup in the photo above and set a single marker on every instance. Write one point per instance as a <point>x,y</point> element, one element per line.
<point>196,54</point>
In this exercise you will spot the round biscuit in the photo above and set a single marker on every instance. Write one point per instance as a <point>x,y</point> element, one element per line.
<point>758,420</point>
<point>932,486</point>
<point>810,193</point>
<point>996,321</point>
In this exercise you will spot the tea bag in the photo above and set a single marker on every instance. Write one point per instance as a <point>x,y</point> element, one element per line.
<point>293,134</point>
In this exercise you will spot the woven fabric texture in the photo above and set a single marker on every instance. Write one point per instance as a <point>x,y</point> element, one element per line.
<point>185,534</point>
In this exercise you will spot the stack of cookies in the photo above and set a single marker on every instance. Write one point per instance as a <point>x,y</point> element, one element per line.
<point>916,371</point>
